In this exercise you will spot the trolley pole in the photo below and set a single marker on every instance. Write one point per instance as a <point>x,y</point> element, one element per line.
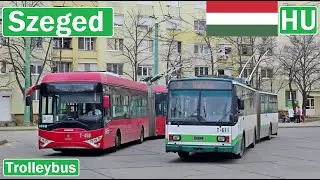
<point>156,49</point>
<point>27,78</point>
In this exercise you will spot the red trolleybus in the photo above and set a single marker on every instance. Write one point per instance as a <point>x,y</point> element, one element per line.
<point>92,110</point>
<point>160,108</point>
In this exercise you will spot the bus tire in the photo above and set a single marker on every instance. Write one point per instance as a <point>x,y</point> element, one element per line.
<point>141,135</point>
<point>253,144</point>
<point>242,148</point>
<point>270,132</point>
<point>117,140</point>
<point>183,155</point>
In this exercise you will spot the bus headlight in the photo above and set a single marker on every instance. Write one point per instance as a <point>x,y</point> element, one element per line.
<point>174,137</point>
<point>94,141</point>
<point>221,139</point>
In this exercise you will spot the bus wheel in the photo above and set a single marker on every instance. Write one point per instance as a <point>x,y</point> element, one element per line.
<point>269,134</point>
<point>183,154</point>
<point>254,140</point>
<point>242,149</point>
<point>118,140</point>
<point>141,136</point>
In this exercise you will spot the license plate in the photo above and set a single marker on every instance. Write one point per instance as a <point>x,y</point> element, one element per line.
<point>198,138</point>
<point>223,130</point>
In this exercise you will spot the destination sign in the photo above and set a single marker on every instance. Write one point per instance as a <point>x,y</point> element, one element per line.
<point>200,84</point>
<point>70,87</point>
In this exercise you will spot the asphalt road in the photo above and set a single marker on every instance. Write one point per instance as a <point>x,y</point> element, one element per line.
<point>294,153</point>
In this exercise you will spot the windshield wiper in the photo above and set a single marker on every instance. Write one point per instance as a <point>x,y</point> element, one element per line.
<point>220,120</point>
<point>71,120</point>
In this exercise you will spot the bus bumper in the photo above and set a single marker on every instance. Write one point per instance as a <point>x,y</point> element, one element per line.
<point>199,148</point>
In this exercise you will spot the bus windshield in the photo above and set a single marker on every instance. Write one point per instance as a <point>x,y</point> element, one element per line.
<point>200,105</point>
<point>83,108</point>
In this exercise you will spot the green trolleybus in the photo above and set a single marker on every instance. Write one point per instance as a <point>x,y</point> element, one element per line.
<point>209,114</point>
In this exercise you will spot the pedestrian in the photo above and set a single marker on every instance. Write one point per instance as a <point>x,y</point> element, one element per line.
<point>283,116</point>
<point>298,114</point>
<point>291,115</point>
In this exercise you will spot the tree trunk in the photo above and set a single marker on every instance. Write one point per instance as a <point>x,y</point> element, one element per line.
<point>304,103</point>
<point>292,98</point>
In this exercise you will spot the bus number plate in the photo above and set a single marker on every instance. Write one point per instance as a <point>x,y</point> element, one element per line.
<point>198,138</point>
<point>223,130</point>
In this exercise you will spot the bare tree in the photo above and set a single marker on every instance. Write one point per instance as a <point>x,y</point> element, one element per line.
<point>301,60</point>
<point>249,46</point>
<point>137,35</point>
<point>173,53</point>
<point>14,54</point>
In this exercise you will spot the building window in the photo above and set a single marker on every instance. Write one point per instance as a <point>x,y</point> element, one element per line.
<point>173,23</point>
<point>146,46</point>
<point>35,95</point>
<point>145,21</point>
<point>35,68</point>
<point>87,44</point>
<point>118,20</point>
<point>36,42</point>
<point>59,66</point>
<point>290,96</point>
<point>173,3</point>
<point>145,71</point>
<point>116,68</point>
<point>3,67</point>
<point>310,102</point>
<point>224,51</point>
<point>246,50</point>
<point>220,72</point>
<point>62,43</point>
<point>200,4</point>
<point>87,67</point>
<point>3,41</point>
<point>115,44</point>
<point>199,25</point>
<point>246,72</point>
<point>266,73</point>
<point>176,46</point>
<point>201,49</point>
<point>145,2</point>
<point>201,71</point>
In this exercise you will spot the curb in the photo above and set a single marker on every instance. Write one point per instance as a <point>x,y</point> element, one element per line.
<point>311,126</point>
<point>19,129</point>
<point>2,142</point>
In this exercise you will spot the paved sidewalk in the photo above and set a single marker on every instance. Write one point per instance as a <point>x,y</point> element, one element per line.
<point>19,128</point>
<point>300,125</point>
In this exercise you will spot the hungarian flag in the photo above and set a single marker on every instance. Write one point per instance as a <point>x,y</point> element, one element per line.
<point>242,18</point>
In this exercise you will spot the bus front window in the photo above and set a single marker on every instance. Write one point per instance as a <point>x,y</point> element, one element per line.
<point>201,106</point>
<point>82,107</point>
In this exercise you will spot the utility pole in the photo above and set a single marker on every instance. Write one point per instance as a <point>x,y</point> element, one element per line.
<point>27,77</point>
<point>156,54</point>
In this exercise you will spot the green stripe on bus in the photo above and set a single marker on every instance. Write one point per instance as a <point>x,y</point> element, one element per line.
<point>206,139</point>
<point>235,140</point>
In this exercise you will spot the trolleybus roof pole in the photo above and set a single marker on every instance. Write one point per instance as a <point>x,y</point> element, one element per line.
<point>255,67</point>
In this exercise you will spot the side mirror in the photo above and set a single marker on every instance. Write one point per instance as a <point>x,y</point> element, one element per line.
<point>28,101</point>
<point>106,102</point>
<point>241,105</point>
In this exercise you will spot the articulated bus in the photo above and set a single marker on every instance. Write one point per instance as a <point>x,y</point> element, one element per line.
<point>95,110</point>
<point>207,114</point>
<point>160,92</point>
